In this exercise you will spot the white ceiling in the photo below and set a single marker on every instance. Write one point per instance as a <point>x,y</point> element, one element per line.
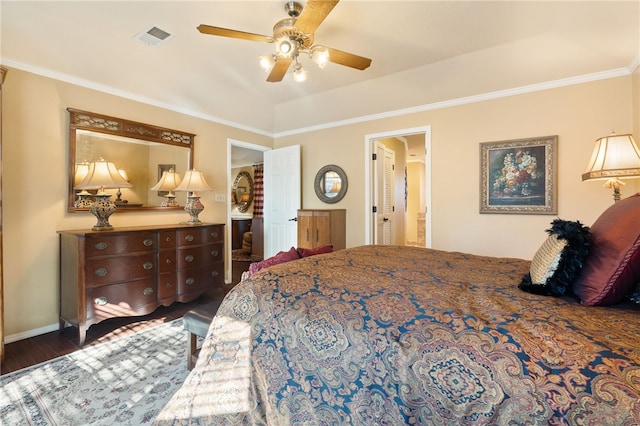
<point>423,52</point>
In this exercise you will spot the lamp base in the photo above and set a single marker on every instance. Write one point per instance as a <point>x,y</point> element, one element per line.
<point>84,200</point>
<point>169,201</point>
<point>616,184</point>
<point>193,207</point>
<point>102,208</point>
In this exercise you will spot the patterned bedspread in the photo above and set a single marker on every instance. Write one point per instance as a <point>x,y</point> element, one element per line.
<point>380,335</point>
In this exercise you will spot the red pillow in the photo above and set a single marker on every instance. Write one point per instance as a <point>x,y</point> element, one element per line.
<point>612,267</point>
<point>305,252</point>
<point>280,257</point>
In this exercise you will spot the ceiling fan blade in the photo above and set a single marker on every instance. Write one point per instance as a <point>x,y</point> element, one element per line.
<point>224,32</point>
<point>313,14</point>
<point>279,70</point>
<point>348,59</point>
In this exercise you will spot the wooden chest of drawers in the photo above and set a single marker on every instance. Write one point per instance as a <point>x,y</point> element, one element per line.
<point>132,271</point>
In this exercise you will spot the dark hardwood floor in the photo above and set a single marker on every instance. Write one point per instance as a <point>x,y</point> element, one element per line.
<point>44,347</point>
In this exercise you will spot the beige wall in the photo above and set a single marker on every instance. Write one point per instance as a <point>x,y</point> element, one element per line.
<point>35,170</point>
<point>578,114</point>
<point>35,162</point>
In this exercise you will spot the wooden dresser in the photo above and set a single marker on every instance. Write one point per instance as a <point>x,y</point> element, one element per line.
<point>318,228</point>
<point>133,270</point>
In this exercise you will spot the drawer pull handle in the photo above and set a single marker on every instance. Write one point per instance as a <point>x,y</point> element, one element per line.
<point>214,274</point>
<point>167,239</point>
<point>101,301</point>
<point>214,253</point>
<point>190,281</point>
<point>101,272</point>
<point>148,242</point>
<point>190,237</point>
<point>101,245</point>
<point>188,258</point>
<point>147,291</point>
<point>214,234</point>
<point>169,285</point>
<point>167,261</point>
<point>147,265</point>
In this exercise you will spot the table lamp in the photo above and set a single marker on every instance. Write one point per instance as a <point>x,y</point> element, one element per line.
<point>101,175</point>
<point>614,157</point>
<point>193,181</point>
<point>168,182</point>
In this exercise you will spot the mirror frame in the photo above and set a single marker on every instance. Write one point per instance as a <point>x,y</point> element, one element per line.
<point>99,123</point>
<point>243,207</point>
<point>317,185</point>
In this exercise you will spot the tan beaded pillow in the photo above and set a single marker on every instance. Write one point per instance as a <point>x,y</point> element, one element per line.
<point>547,259</point>
<point>559,260</point>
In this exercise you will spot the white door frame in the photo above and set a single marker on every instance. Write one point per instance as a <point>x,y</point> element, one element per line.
<point>368,177</point>
<point>248,145</point>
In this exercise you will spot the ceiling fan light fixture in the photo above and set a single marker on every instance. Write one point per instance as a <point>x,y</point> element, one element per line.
<point>320,55</point>
<point>285,46</point>
<point>267,62</point>
<point>299,73</point>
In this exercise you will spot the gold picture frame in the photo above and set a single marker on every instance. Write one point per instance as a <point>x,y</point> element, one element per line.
<point>519,176</point>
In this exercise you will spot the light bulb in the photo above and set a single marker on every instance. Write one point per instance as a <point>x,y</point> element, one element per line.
<point>320,56</point>
<point>299,74</point>
<point>267,62</point>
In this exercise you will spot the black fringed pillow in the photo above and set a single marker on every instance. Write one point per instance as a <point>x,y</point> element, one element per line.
<point>559,260</point>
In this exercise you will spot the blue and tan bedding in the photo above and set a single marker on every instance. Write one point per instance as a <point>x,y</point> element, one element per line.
<point>401,335</point>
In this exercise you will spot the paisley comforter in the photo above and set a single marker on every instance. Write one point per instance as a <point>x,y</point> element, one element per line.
<point>380,335</point>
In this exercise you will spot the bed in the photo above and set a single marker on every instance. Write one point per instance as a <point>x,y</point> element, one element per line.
<point>388,335</point>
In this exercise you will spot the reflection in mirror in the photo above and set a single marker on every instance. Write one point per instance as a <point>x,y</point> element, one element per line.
<point>242,191</point>
<point>141,158</point>
<point>331,184</point>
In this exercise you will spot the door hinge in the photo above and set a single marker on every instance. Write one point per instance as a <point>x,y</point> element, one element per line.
<point>374,209</point>
<point>374,156</point>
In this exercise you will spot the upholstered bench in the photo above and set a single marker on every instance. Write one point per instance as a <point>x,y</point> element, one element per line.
<point>196,322</point>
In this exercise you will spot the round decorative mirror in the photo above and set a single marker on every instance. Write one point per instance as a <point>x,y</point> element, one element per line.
<point>331,184</point>
<point>242,191</point>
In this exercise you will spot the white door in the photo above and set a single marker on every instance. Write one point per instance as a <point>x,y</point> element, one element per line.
<point>384,161</point>
<point>281,199</point>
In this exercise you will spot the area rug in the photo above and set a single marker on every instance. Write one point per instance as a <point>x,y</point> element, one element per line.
<point>126,381</point>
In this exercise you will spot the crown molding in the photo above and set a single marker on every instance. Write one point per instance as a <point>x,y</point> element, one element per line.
<point>619,72</point>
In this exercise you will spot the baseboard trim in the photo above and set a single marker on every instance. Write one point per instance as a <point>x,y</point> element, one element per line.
<point>31,333</point>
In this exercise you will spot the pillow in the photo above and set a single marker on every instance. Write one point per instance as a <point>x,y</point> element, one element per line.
<point>558,261</point>
<point>280,257</point>
<point>305,252</point>
<point>613,265</point>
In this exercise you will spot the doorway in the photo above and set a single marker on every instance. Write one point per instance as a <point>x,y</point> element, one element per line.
<point>241,156</point>
<point>398,207</point>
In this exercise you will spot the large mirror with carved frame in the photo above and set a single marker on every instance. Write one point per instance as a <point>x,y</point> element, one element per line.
<point>141,152</point>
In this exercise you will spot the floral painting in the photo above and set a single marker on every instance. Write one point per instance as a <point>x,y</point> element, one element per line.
<point>518,176</point>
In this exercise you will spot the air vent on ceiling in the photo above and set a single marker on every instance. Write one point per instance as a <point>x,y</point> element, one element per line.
<point>153,36</point>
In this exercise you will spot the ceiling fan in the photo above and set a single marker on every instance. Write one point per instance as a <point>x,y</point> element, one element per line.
<point>293,36</point>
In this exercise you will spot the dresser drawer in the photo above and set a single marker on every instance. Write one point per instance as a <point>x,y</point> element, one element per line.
<point>167,261</point>
<point>200,279</point>
<point>198,236</point>
<point>167,239</point>
<point>194,257</point>
<point>122,299</point>
<point>105,270</point>
<point>167,285</point>
<point>98,245</point>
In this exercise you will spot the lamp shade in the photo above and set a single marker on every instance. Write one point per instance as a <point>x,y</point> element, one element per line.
<point>193,181</point>
<point>614,156</point>
<point>80,173</point>
<point>102,174</point>
<point>168,182</point>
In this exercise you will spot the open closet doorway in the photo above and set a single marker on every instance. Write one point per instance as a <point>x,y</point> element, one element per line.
<point>244,207</point>
<point>398,187</point>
